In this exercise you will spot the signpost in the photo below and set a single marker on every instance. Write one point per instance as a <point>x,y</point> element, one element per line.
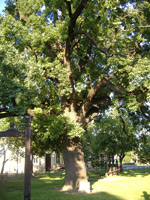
<point>27,178</point>
<point>12,132</point>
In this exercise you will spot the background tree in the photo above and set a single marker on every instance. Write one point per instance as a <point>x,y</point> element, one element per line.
<point>113,134</point>
<point>91,147</point>
<point>143,152</point>
<point>68,62</point>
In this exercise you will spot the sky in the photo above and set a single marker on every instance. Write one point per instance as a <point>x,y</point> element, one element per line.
<point>2,5</point>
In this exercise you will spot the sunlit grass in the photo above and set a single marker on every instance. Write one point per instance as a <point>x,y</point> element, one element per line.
<point>125,187</point>
<point>131,185</point>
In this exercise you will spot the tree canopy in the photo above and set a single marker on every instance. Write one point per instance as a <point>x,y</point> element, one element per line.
<point>64,62</point>
<point>112,135</point>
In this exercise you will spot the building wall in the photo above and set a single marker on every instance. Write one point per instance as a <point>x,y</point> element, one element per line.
<point>39,164</point>
<point>56,162</point>
<point>12,165</point>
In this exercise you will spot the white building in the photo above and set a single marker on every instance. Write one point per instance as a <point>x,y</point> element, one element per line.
<point>46,163</point>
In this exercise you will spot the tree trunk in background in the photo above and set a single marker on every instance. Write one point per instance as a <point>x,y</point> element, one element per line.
<point>116,163</point>
<point>120,160</point>
<point>113,163</point>
<point>109,163</point>
<point>106,173</point>
<point>32,157</point>
<point>4,161</point>
<point>2,170</point>
<point>75,168</point>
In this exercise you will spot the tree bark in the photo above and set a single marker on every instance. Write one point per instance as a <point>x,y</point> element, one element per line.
<point>75,168</point>
<point>109,163</point>
<point>2,170</point>
<point>4,162</point>
<point>32,157</point>
<point>120,160</point>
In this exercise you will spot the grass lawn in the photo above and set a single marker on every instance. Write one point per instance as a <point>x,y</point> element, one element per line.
<point>130,185</point>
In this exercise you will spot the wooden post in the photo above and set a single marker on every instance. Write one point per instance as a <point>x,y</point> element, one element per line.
<point>27,178</point>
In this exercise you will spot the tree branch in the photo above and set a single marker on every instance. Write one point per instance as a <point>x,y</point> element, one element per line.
<point>101,49</point>
<point>84,108</point>
<point>98,104</point>
<point>51,51</point>
<point>21,16</point>
<point>7,114</point>
<point>112,87</point>
<point>94,111</point>
<point>69,8</point>
<point>118,54</point>
<point>67,51</point>
<point>91,100</point>
<point>93,41</point>
<point>79,9</point>
<point>3,110</point>
<point>146,115</point>
<point>115,34</point>
<point>123,123</point>
<point>75,15</point>
<point>95,88</point>
<point>34,52</point>
<point>82,62</point>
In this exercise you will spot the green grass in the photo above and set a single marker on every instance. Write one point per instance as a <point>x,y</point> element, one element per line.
<point>130,185</point>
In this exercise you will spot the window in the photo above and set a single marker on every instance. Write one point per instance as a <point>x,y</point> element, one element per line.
<point>35,160</point>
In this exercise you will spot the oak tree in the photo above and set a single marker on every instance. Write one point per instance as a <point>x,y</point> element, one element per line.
<point>65,61</point>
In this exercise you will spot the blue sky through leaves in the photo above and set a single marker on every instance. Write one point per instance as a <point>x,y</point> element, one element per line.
<point>2,5</point>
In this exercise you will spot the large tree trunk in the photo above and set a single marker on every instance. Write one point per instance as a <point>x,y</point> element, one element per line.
<point>75,168</point>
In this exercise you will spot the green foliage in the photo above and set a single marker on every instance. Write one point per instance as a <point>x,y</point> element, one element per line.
<point>49,130</point>
<point>54,54</point>
<point>144,149</point>
<point>143,154</point>
<point>128,157</point>
<point>112,134</point>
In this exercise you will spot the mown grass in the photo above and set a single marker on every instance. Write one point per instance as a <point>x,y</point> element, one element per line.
<point>130,185</point>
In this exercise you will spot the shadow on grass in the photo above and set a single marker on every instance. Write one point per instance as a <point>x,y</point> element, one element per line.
<point>135,172</point>
<point>146,196</point>
<point>49,189</point>
<point>94,176</point>
<point>46,187</point>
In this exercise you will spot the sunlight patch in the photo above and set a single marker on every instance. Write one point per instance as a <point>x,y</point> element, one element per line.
<point>111,179</point>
